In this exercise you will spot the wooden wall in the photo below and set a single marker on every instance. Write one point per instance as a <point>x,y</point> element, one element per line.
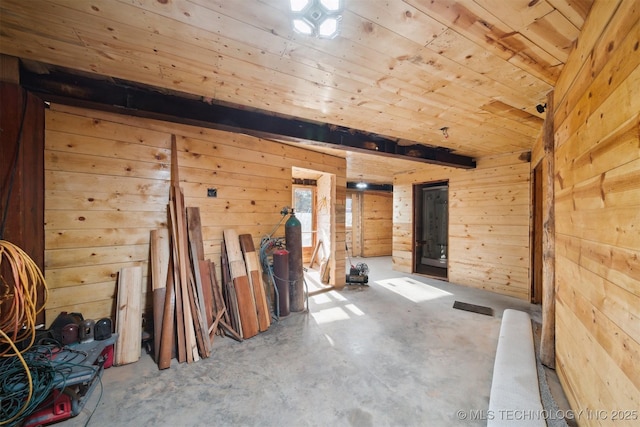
<point>332,191</point>
<point>354,233</point>
<point>377,223</point>
<point>21,176</point>
<point>597,211</point>
<point>107,185</point>
<point>371,232</point>
<point>489,220</point>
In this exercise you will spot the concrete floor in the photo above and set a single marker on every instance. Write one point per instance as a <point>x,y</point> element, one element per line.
<point>394,353</point>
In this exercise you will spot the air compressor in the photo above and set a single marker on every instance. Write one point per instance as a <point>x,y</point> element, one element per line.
<point>358,274</point>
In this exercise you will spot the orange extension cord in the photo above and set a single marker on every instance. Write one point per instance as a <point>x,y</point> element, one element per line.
<point>19,306</point>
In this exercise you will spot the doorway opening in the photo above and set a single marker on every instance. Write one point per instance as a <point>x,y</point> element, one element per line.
<point>313,195</point>
<point>431,228</point>
<point>304,202</point>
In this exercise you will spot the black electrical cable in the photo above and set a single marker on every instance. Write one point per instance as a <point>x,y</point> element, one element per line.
<point>15,165</point>
<point>97,403</point>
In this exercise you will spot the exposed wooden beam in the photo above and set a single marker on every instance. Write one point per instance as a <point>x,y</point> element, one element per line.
<point>116,95</point>
<point>548,334</point>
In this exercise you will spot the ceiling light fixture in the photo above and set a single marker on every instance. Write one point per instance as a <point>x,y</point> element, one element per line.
<point>541,108</point>
<point>319,18</point>
<point>361,185</point>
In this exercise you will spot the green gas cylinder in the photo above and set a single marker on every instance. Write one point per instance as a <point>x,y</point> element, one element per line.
<point>293,239</point>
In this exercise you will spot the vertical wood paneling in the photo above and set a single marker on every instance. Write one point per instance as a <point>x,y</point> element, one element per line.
<point>597,188</point>
<point>377,224</point>
<point>489,213</point>
<point>402,247</point>
<point>107,186</point>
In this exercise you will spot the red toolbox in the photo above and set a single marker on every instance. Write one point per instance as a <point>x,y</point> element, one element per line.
<point>56,408</point>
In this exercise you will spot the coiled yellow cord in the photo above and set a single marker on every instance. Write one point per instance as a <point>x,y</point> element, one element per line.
<point>19,305</point>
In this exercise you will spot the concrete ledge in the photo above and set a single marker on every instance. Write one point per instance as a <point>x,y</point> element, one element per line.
<point>515,394</point>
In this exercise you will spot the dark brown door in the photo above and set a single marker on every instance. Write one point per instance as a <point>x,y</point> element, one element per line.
<point>536,247</point>
<point>431,228</point>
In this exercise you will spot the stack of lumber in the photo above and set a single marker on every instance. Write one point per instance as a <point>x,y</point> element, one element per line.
<point>189,309</point>
<point>244,290</point>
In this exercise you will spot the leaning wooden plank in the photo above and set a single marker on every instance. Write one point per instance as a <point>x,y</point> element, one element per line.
<point>324,271</point>
<point>159,249</point>
<point>175,170</point>
<point>197,311</point>
<point>198,314</point>
<point>217,292</point>
<point>183,257</point>
<point>255,280</point>
<point>194,226</point>
<point>207,291</point>
<point>214,326</point>
<point>229,330</point>
<point>233,297</point>
<point>167,338</point>
<point>246,302</point>
<point>229,292</point>
<point>199,328</point>
<point>179,316</point>
<point>196,252</point>
<point>129,316</point>
<point>315,254</point>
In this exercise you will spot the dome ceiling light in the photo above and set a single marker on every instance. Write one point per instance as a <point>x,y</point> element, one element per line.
<point>319,18</point>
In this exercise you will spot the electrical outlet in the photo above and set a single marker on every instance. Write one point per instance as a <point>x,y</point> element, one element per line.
<point>212,192</point>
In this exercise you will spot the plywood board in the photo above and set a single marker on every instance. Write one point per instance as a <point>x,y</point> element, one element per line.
<point>129,316</point>
<point>254,273</point>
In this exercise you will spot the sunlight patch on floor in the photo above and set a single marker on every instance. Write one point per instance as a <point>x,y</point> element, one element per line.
<point>340,308</point>
<point>355,310</point>
<point>412,290</point>
<point>329,315</point>
<point>321,299</point>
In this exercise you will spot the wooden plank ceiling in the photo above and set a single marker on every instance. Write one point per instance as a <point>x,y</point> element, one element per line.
<point>401,69</point>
